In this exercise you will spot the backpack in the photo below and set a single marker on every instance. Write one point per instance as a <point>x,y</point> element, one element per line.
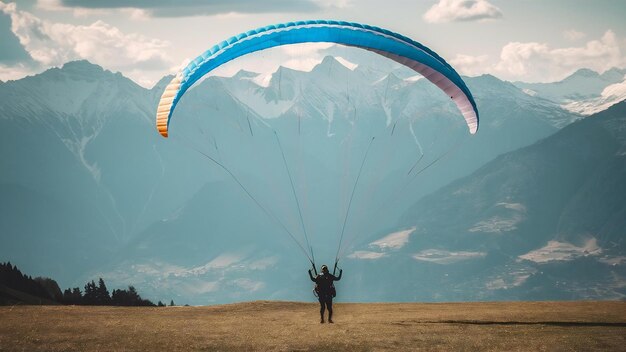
<point>333,291</point>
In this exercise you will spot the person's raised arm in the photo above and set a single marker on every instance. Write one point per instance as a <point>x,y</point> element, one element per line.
<point>311,276</point>
<point>340,273</point>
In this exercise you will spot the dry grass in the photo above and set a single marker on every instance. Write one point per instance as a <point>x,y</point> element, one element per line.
<point>289,326</point>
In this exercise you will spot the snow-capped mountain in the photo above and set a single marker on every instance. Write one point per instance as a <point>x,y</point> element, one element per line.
<point>82,167</point>
<point>584,92</point>
<point>84,172</point>
<point>609,96</point>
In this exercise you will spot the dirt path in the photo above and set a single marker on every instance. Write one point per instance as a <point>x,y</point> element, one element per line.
<point>290,326</point>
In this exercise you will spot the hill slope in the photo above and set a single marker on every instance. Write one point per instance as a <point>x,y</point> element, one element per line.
<point>543,222</point>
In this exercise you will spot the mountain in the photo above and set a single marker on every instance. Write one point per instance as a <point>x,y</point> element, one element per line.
<point>312,124</point>
<point>81,168</point>
<point>338,96</point>
<point>542,222</point>
<point>88,186</point>
<point>584,92</point>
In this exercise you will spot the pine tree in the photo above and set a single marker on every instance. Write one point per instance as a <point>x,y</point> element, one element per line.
<point>91,294</point>
<point>102,293</point>
<point>171,303</point>
<point>67,296</point>
<point>77,296</point>
<point>12,277</point>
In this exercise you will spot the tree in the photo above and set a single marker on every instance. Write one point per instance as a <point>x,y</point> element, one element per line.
<point>102,294</point>
<point>12,277</point>
<point>77,296</point>
<point>129,297</point>
<point>72,296</point>
<point>91,294</point>
<point>171,303</point>
<point>51,287</point>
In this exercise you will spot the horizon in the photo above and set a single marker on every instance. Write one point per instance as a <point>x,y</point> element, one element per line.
<point>342,61</point>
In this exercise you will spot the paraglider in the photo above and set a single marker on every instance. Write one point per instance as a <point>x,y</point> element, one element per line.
<point>382,42</point>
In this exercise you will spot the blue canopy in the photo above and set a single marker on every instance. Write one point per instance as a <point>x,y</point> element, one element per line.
<point>384,42</point>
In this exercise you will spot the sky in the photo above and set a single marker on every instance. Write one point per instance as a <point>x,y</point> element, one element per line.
<point>515,40</point>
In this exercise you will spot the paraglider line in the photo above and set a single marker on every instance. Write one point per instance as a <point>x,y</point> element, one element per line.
<point>248,119</point>
<point>416,163</point>
<point>403,187</point>
<point>266,211</point>
<point>295,194</point>
<point>356,183</point>
<point>430,148</point>
<point>313,261</point>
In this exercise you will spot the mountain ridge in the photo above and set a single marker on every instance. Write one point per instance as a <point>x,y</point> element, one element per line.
<point>98,149</point>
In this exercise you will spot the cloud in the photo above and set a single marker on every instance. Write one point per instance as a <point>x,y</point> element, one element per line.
<point>461,10</point>
<point>443,257</point>
<point>57,5</point>
<point>395,240</point>
<point>470,65</point>
<point>562,251</point>
<point>11,51</point>
<point>339,4</point>
<point>539,61</point>
<point>183,8</point>
<point>16,71</point>
<point>53,44</point>
<point>573,35</point>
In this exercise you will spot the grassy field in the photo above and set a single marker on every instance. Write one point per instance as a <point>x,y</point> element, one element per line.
<point>291,326</point>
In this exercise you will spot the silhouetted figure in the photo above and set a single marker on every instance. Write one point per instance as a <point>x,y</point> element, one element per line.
<point>325,290</point>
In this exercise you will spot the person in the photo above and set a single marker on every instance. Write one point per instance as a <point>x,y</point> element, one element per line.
<point>325,290</point>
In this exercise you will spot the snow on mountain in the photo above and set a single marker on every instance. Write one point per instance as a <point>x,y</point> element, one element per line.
<point>395,240</point>
<point>443,257</point>
<point>584,92</point>
<point>562,251</point>
<point>610,95</point>
<point>365,255</point>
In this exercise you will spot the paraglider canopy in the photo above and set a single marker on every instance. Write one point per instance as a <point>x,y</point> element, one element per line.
<point>381,41</point>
